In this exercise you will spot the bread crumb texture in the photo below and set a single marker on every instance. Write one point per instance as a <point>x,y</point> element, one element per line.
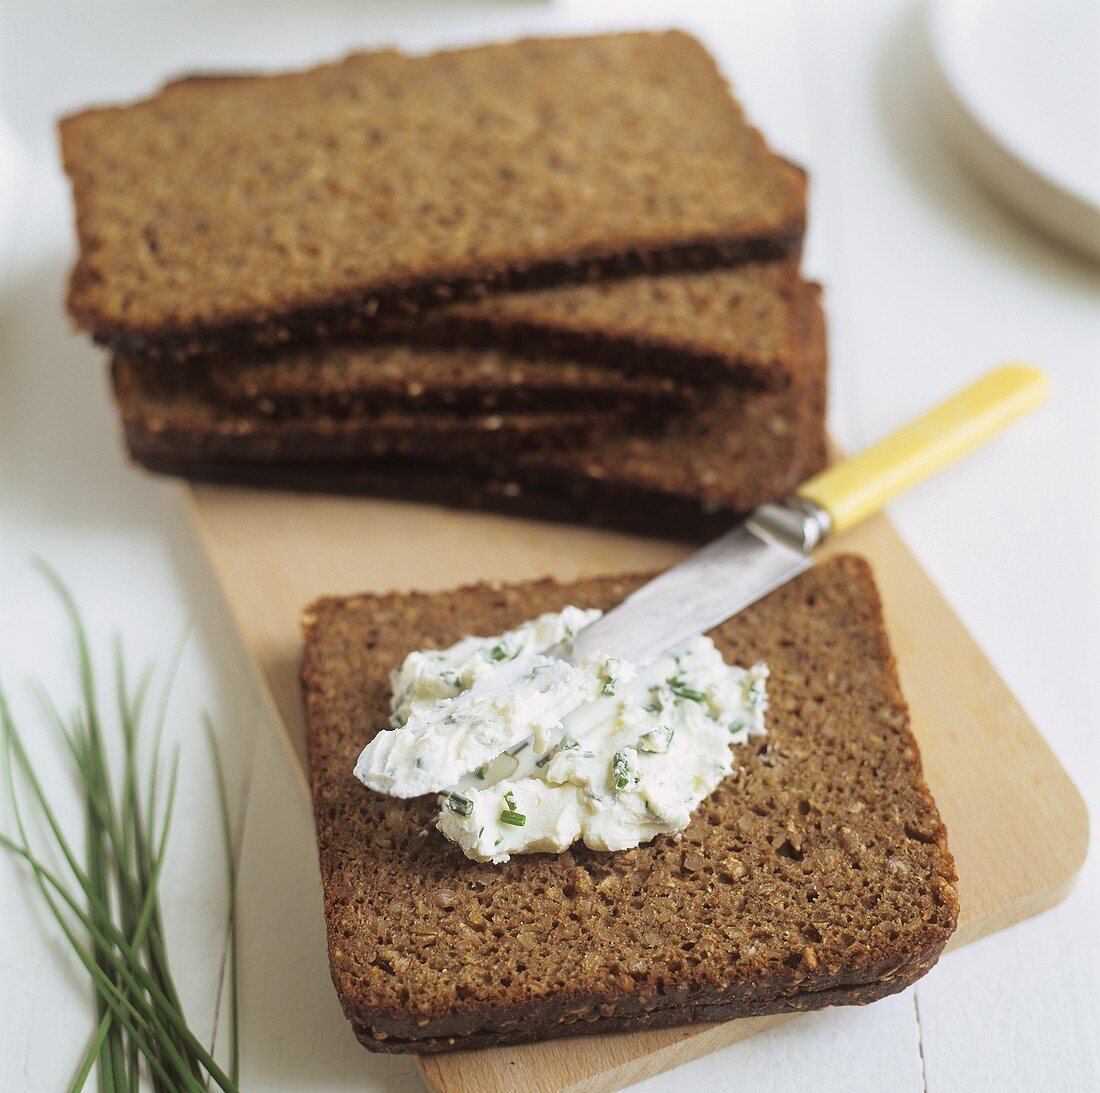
<point>817,873</point>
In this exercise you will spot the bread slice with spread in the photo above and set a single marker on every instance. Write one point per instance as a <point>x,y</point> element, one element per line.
<point>818,873</point>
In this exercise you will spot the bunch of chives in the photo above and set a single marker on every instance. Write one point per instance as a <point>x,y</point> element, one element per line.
<point>106,900</point>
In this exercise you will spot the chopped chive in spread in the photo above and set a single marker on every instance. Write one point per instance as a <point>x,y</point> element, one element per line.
<point>499,841</point>
<point>479,774</point>
<point>500,652</point>
<point>456,802</point>
<point>518,748</point>
<point>449,719</point>
<point>509,815</point>
<point>421,764</point>
<point>480,832</point>
<point>678,687</point>
<point>610,680</point>
<point>620,769</point>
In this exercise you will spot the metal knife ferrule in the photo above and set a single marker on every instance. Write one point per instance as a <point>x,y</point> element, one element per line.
<point>794,522</point>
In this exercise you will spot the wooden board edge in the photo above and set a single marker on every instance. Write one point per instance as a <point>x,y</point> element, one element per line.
<point>691,1042</point>
<point>293,752</point>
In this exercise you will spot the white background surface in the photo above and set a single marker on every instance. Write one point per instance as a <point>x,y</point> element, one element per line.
<point>929,283</point>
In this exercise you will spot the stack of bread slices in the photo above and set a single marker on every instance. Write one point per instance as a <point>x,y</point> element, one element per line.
<point>556,277</point>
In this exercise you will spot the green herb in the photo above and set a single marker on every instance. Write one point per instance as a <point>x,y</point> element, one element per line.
<point>106,902</point>
<point>480,832</point>
<point>449,719</point>
<point>518,747</point>
<point>499,841</point>
<point>678,687</point>
<point>510,799</point>
<point>610,680</point>
<point>515,819</point>
<point>500,652</point>
<point>421,764</point>
<point>620,769</point>
<point>479,774</point>
<point>456,802</point>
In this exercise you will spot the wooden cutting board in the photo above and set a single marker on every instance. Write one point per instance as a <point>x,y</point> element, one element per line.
<point>1017,826</point>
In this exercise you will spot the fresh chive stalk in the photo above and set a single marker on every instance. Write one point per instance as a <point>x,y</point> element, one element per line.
<point>106,901</point>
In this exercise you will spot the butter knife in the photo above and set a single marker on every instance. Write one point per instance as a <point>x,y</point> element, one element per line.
<point>776,542</point>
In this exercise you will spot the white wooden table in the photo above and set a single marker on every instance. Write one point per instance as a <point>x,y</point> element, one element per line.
<point>928,283</point>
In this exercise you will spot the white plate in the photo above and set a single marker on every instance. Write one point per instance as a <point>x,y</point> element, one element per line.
<point>1021,101</point>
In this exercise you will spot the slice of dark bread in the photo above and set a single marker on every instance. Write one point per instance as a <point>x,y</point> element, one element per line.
<point>703,472</point>
<point>167,414</point>
<point>240,212</point>
<point>351,378</point>
<point>730,325</point>
<point>756,433</point>
<point>818,873</point>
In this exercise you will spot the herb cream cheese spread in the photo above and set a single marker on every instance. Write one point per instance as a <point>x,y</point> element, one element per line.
<point>603,750</point>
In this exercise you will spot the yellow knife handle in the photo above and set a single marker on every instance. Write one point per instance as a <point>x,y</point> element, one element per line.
<point>859,487</point>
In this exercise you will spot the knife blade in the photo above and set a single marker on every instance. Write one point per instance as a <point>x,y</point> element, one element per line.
<point>706,588</point>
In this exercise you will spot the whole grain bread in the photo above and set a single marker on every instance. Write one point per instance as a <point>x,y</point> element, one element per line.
<point>818,873</point>
<point>240,212</point>
<point>729,325</point>
<point>760,435</point>
<point>351,378</point>
<point>166,414</point>
<point>698,475</point>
